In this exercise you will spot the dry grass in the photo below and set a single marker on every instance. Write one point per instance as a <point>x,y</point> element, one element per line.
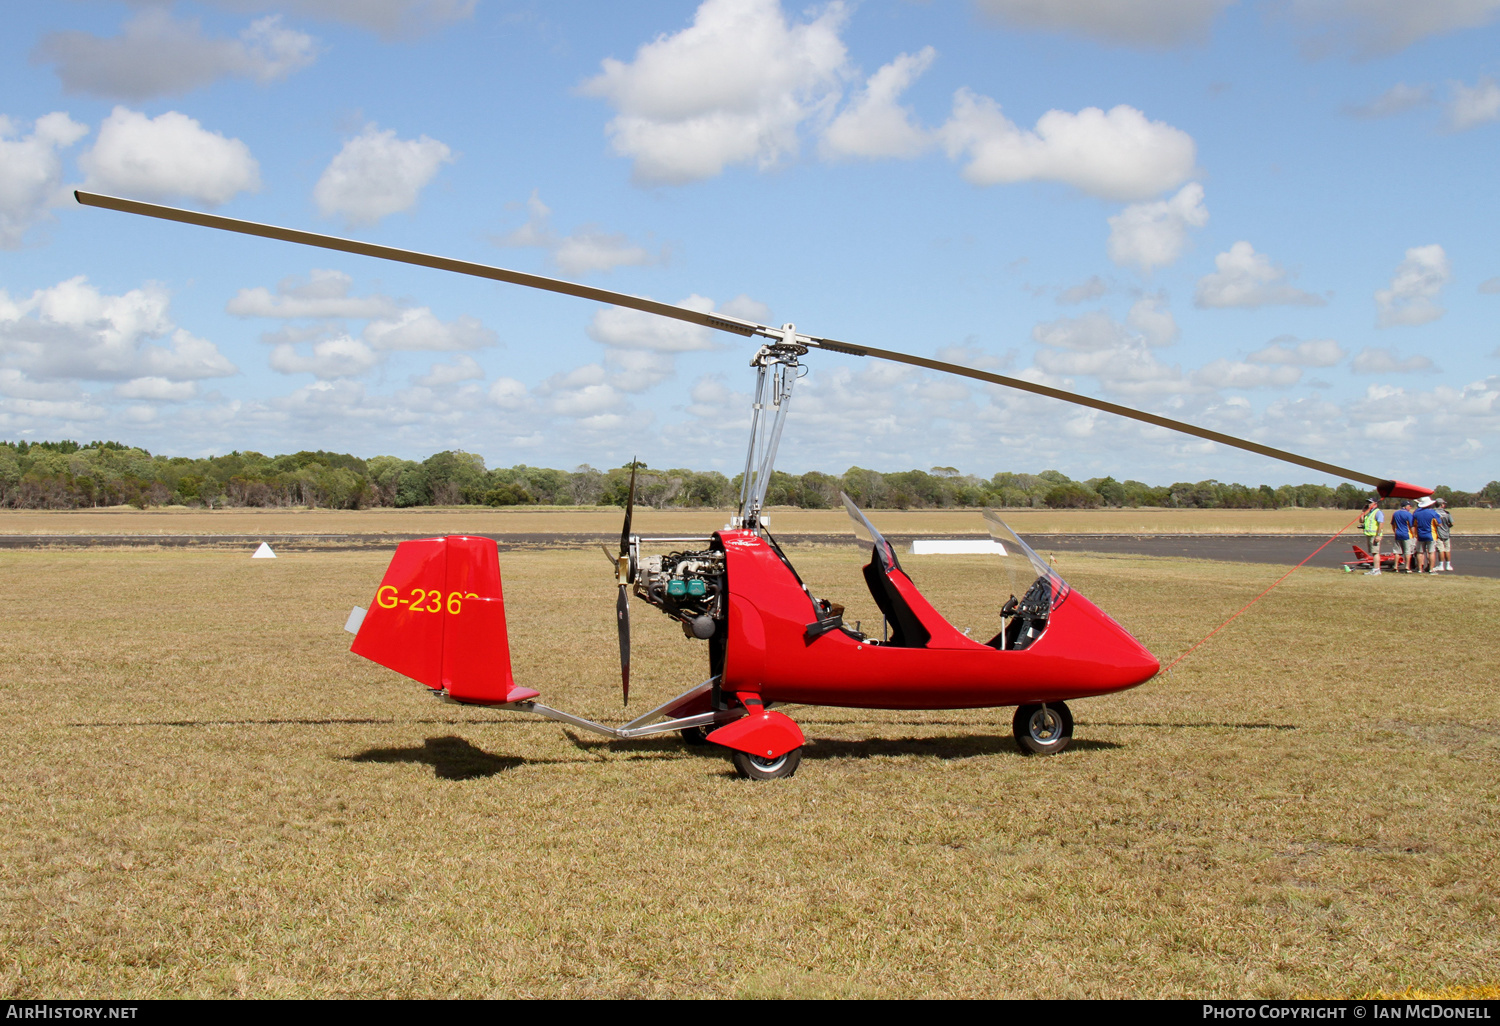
<point>592,520</point>
<point>206,794</point>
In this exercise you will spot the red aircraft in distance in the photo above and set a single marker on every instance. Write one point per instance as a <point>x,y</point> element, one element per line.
<point>438,615</point>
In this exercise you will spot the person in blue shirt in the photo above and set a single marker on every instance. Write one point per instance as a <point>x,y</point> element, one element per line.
<point>1401,536</point>
<point>1422,521</point>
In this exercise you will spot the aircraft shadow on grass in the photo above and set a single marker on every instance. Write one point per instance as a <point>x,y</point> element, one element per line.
<point>957,746</point>
<point>451,758</point>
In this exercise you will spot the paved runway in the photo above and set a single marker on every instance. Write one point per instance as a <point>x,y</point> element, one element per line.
<point>1473,555</point>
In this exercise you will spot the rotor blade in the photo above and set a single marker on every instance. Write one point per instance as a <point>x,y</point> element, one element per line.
<point>721,322</point>
<point>629,512</point>
<point>622,621</point>
<point>1386,486</point>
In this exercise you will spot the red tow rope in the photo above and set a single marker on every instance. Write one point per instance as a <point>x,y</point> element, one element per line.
<point>1263,594</point>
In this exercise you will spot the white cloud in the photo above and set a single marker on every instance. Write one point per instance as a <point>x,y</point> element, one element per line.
<point>1148,235</point>
<point>636,370</point>
<point>1462,415</point>
<point>1233,374</point>
<point>537,231</point>
<point>1119,355</point>
<point>462,368</point>
<point>341,357</point>
<point>1246,278</point>
<point>72,330</point>
<point>1155,24</point>
<point>747,309</point>
<point>1288,351</point>
<point>874,124</point>
<point>324,294</point>
<point>586,250</point>
<point>376,175</point>
<point>1150,316</point>
<point>713,400</point>
<point>732,88</point>
<point>592,250</point>
<point>157,388</point>
<point>509,394</point>
<point>1375,27</point>
<point>1117,154</point>
<point>167,156</point>
<point>1093,332</point>
<point>17,385</point>
<point>1093,288</point>
<point>635,329</point>
<point>1419,279</point>
<point>1398,99</point>
<point>390,18</point>
<point>157,56</point>
<point>1376,360</point>
<point>1490,286</point>
<point>31,173</point>
<point>581,393</point>
<point>417,330</point>
<point>1471,106</point>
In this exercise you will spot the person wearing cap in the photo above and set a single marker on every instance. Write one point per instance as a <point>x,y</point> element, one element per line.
<point>1371,521</point>
<point>1422,523</point>
<point>1442,527</point>
<point>1401,536</point>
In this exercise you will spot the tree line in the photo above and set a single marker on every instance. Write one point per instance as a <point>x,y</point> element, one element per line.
<point>71,475</point>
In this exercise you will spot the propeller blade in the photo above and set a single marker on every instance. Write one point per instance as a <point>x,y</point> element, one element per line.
<point>629,512</point>
<point>723,322</point>
<point>622,621</point>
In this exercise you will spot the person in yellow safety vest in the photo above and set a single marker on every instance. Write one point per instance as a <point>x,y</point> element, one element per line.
<point>1371,522</point>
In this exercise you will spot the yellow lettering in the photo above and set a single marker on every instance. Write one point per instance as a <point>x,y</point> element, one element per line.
<point>417,595</point>
<point>383,600</point>
<point>437,601</point>
<point>455,603</point>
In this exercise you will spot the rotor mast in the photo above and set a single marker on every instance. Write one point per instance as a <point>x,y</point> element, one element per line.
<point>776,372</point>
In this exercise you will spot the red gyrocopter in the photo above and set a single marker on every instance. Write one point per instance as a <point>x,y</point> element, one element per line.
<point>439,613</point>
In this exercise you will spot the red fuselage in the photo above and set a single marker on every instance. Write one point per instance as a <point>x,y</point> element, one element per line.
<point>1081,653</point>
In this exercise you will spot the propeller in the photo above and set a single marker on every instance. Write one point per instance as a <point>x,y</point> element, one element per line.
<point>721,322</point>
<point>625,574</point>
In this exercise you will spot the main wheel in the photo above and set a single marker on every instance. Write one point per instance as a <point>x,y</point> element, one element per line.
<point>694,736</point>
<point>1043,729</point>
<point>755,767</point>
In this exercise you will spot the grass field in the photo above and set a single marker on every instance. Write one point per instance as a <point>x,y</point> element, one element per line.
<point>590,520</point>
<point>206,794</point>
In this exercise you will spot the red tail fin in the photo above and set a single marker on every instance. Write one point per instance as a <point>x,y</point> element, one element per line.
<point>439,617</point>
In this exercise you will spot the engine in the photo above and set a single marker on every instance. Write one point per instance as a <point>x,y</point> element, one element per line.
<point>691,587</point>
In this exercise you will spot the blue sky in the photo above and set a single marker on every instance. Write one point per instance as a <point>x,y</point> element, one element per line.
<point>1275,219</point>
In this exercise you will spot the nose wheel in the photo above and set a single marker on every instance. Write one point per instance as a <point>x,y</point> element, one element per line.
<point>753,767</point>
<point>1043,729</point>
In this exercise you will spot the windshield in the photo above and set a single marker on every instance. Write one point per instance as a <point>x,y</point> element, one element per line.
<point>1022,564</point>
<point>885,555</point>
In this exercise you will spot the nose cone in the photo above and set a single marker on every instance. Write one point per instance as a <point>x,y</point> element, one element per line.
<point>1116,661</point>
